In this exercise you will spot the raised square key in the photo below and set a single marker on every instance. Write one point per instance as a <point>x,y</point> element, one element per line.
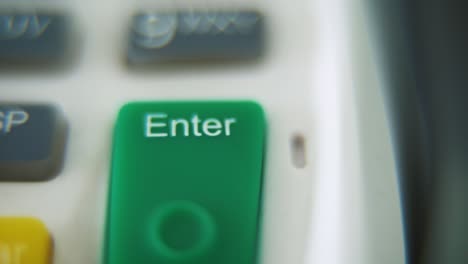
<point>186,183</point>
<point>24,240</point>
<point>32,141</point>
<point>158,37</point>
<point>27,37</point>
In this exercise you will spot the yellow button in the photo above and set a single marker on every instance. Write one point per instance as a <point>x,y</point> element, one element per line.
<point>24,240</point>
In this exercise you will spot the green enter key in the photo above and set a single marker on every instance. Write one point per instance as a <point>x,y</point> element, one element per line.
<point>186,183</point>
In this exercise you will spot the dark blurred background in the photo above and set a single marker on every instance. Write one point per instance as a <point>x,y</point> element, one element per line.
<point>424,47</point>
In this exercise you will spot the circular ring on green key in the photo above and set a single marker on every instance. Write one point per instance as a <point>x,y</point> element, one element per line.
<point>182,230</point>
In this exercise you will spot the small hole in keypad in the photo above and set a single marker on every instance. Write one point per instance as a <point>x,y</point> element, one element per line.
<point>298,151</point>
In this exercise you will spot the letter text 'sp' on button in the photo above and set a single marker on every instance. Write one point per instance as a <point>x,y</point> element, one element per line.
<point>32,141</point>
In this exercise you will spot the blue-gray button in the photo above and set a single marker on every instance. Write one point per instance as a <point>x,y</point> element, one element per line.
<point>188,36</point>
<point>32,142</point>
<point>32,37</point>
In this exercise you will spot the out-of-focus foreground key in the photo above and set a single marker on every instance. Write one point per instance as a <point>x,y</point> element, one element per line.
<point>186,183</point>
<point>187,36</point>
<point>24,240</point>
<point>32,37</point>
<point>32,141</point>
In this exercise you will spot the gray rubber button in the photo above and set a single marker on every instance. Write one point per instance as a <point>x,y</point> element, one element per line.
<point>32,142</point>
<point>32,37</point>
<point>192,36</point>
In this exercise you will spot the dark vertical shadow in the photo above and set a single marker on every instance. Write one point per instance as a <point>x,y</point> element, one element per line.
<point>423,49</point>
